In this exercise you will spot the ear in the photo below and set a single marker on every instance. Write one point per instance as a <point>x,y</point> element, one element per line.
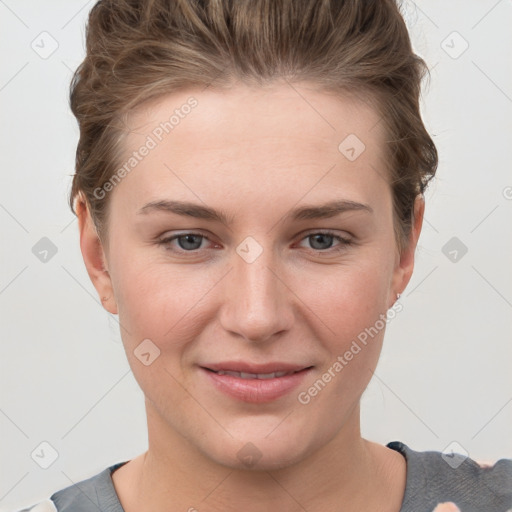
<point>94,256</point>
<point>405,259</point>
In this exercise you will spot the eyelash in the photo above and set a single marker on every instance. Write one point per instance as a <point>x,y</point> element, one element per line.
<point>343,241</point>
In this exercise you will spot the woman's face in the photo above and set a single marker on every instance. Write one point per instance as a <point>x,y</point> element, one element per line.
<point>250,179</point>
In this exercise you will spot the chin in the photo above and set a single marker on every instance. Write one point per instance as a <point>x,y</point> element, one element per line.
<point>256,452</point>
<point>251,458</point>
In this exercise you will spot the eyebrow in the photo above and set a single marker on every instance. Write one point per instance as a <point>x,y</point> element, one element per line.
<point>308,212</point>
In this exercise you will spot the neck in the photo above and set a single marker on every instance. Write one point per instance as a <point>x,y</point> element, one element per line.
<point>173,473</point>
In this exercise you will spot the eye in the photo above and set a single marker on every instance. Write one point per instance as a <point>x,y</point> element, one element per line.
<point>322,241</point>
<point>187,242</point>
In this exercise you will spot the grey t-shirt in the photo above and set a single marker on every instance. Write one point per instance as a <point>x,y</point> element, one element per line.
<point>431,479</point>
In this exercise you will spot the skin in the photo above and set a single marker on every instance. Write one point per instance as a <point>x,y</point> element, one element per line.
<point>256,154</point>
<point>447,507</point>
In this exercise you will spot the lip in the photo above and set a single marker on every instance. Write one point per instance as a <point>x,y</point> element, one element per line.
<point>256,391</point>
<point>241,366</point>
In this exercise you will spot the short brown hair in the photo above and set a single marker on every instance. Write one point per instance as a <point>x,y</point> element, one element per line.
<point>137,50</point>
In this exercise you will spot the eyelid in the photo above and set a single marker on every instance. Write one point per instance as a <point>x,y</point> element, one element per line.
<point>326,231</point>
<point>343,241</point>
<point>167,239</point>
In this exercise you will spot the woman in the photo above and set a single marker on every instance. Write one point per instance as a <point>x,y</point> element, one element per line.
<point>249,189</point>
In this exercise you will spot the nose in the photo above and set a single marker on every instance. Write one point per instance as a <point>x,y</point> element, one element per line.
<point>257,303</point>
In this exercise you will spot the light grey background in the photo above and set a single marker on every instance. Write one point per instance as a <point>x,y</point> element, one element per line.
<point>445,371</point>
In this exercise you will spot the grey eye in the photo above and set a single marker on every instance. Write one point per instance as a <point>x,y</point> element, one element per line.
<point>321,241</point>
<point>190,242</point>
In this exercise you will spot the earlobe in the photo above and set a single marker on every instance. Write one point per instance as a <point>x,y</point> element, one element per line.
<point>94,257</point>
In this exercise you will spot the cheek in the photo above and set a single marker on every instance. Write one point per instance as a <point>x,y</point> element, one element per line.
<point>346,298</point>
<point>350,309</point>
<point>161,302</point>
<point>158,317</point>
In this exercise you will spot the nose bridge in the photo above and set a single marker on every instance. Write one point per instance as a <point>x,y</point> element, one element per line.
<point>255,301</point>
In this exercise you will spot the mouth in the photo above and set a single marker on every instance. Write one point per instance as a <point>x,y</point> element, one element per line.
<point>255,383</point>
<point>245,375</point>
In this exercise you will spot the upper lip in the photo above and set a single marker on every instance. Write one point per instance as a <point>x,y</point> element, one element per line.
<point>241,366</point>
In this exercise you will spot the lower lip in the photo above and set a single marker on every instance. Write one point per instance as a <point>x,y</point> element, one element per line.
<point>256,391</point>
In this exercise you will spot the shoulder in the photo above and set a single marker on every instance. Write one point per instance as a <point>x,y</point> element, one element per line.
<point>90,495</point>
<point>434,477</point>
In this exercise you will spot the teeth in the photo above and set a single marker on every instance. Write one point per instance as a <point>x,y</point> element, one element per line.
<point>245,375</point>
<point>269,375</point>
<point>248,375</point>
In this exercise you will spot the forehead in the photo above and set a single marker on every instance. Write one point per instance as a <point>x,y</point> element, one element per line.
<point>296,110</point>
<point>265,139</point>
